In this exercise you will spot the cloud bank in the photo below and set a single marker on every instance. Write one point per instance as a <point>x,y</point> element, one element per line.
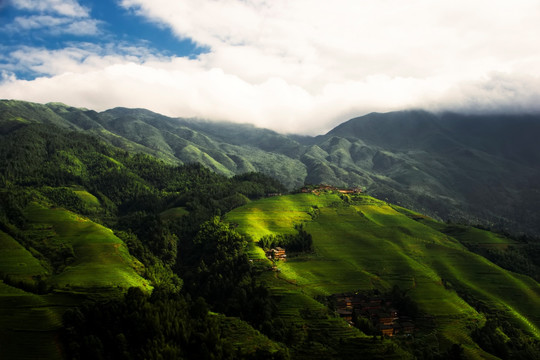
<point>297,65</point>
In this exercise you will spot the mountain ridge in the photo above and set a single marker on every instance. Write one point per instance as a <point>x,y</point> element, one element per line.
<point>476,168</point>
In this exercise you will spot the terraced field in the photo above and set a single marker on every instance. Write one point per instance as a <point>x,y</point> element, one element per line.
<point>363,243</point>
<point>276,215</point>
<point>328,335</point>
<point>100,266</point>
<point>244,338</point>
<point>17,262</point>
<point>29,323</point>
<point>100,259</point>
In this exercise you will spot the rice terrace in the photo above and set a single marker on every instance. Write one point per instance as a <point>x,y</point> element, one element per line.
<point>362,244</point>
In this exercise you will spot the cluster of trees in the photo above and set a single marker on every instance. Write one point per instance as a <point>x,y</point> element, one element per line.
<point>301,241</point>
<point>217,268</point>
<point>499,336</point>
<point>142,326</point>
<point>502,339</point>
<point>167,323</point>
<point>523,258</point>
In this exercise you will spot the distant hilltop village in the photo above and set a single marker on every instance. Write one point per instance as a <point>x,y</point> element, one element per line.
<point>323,187</point>
<point>317,189</point>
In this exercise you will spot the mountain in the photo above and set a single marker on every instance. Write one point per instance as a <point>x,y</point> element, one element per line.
<point>82,222</point>
<point>108,253</point>
<point>487,166</point>
<point>475,168</point>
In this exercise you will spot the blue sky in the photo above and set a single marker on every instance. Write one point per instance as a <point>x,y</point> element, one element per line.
<point>124,25</point>
<point>108,22</point>
<point>291,65</point>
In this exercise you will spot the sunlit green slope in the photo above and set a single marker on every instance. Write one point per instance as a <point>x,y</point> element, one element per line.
<point>362,243</point>
<point>99,258</point>
<point>17,262</point>
<point>24,317</point>
<point>97,264</point>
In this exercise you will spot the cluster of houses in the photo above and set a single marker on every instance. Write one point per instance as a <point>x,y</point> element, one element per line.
<point>375,309</point>
<point>319,188</point>
<point>276,254</point>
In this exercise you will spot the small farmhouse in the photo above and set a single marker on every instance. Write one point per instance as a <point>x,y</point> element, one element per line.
<point>279,253</point>
<point>276,254</point>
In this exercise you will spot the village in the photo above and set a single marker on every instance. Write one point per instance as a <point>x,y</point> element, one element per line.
<point>353,307</point>
<point>367,308</point>
<point>377,310</point>
<point>316,189</point>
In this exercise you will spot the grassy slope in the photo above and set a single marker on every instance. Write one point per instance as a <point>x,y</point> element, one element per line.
<point>24,317</point>
<point>92,203</point>
<point>29,323</point>
<point>101,259</point>
<point>371,245</point>
<point>16,261</point>
<point>276,214</point>
<point>296,304</point>
<point>244,338</point>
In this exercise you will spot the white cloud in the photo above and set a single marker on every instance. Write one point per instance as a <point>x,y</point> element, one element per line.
<point>38,21</point>
<point>352,39</point>
<point>80,27</point>
<point>54,25</point>
<point>304,65</point>
<point>52,17</point>
<point>69,8</point>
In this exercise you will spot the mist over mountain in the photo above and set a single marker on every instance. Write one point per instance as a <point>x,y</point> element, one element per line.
<point>475,168</point>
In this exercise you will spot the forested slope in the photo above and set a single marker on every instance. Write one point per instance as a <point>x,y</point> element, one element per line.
<point>81,220</point>
<point>478,169</point>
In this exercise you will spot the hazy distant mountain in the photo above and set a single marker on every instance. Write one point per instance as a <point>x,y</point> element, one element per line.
<point>478,168</point>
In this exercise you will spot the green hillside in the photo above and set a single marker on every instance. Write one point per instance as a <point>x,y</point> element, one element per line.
<point>29,323</point>
<point>24,317</point>
<point>127,234</point>
<point>17,262</point>
<point>482,169</point>
<point>94,262</point>
<point>97,258</point>
<point>362,243</point>
<point>83,222</point>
